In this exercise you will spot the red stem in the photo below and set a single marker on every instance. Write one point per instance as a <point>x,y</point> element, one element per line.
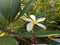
<point>33,37</point>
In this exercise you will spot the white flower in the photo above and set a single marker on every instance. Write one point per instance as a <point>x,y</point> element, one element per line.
<point>33,21</point>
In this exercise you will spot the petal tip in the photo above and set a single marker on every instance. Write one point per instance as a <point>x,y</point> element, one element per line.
<point>45,28</point>
<point>28,30</point>
<point>33,17</point>
<point>29,27</point>
<point>44,18</point>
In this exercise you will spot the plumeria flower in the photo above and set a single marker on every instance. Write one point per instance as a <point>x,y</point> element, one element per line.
<point>32,21</point>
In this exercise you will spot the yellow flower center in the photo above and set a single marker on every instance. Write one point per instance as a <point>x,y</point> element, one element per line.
<point>34,22</point>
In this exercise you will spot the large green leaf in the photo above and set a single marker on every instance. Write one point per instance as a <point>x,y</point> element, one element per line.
<point>41,34</point>
<point>7,40</point>
<point>9,8</point>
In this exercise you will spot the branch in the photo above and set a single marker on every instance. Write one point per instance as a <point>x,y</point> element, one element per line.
<point>21,38</point>
<point>18,36</point>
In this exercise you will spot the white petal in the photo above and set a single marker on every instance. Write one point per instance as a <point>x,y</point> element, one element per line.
<point>42,26</point>
<point>41,19</point>
<point>16,42</point>
<point>33,17</point>
<point>27,19</point>
<point>29,27</point>
<point>58,40</point>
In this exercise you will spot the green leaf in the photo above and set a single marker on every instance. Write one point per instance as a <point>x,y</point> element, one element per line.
<point>7,40</point>
<point>19,23</point>
<point>9,8</point>
<point>41,33</point>
<point>21,42</point>
<point>3,21</point>
<point>41,14</point>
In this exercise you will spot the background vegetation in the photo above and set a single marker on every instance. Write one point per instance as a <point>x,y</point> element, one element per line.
<point>13,28</point>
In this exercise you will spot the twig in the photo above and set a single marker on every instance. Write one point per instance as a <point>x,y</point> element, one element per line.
<point>33,37</point>
<point>21,38</point>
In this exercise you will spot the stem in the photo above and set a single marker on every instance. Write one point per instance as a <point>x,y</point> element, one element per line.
<point>21,38</point>
<point>33,36</point>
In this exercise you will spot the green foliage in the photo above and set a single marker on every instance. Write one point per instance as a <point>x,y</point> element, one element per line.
<point>12,10</point>
<point>7,40</point>
<point>27,7</point>
<point>3,22</point>
<point>40,34</point>
<point>9,8</point>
